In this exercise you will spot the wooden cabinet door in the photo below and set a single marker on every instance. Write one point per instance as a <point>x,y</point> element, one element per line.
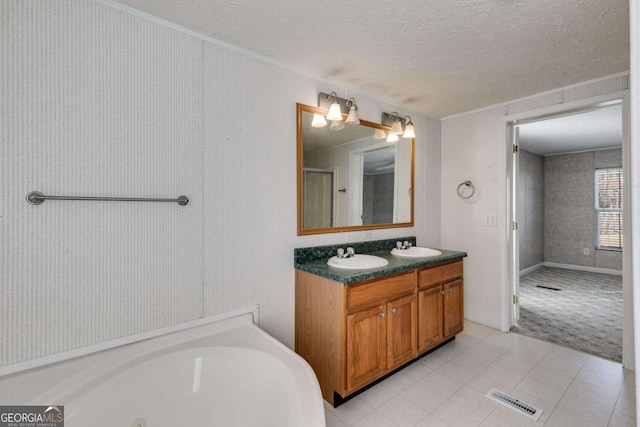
<point>401,331</point>
<point>366,346</point>
<point>430,318</point>
<point>453,308</point>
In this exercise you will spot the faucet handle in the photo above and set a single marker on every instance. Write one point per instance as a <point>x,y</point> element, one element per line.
<point>398,244</point>
<point>406,244</point>
<point>340,252</point>
<point>350,251</point>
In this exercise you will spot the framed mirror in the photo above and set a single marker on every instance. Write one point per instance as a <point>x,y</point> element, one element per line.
<point>350,178</point>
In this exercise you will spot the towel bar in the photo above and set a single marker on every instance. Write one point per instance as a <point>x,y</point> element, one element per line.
<point>37,198</point>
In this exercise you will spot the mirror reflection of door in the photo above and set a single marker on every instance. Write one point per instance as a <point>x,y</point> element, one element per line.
<point>318,197</point>
<point>378,186</point>
<point>342,150</point>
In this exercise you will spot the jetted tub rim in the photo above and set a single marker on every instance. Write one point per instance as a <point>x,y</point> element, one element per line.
<point>208,353</point>
<point>150,348</point>
<point>98,367</point>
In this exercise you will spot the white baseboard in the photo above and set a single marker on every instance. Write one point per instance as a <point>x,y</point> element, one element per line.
<point>531,269</point>
<point>483,323</point>
<point>583,268</point>
<point>570,267</point>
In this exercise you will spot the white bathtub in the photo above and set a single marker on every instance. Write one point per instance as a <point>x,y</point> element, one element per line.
<point>230,373</point>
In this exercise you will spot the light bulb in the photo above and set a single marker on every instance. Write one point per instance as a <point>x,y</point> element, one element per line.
<point>392,137</point>
<point>337,125</point>
<point>396,127</point>
<point>408,131</point>
<point>318,121</point>
<point>335,113</point>
<point>353,118</point>
<point>379,134</point>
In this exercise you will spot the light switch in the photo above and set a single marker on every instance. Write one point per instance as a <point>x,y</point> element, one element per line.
<point>490,221</point>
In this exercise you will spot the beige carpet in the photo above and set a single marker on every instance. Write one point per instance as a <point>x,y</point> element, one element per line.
<point>584,313</point>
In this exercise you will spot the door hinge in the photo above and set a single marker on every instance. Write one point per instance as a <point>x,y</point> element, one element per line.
<point>515,225</point>
<point>516,299</point>
<point>515,148</point>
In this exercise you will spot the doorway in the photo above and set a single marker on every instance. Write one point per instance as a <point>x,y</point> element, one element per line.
<point>378,186</point>
<point>319,197</point>
<point>567,238</point>
<point>373,180</point>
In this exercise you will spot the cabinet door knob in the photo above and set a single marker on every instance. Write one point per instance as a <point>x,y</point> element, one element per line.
<point>393,310</point>
<point>441,292</point>
<point>381,314</point>
<point>450,289</point>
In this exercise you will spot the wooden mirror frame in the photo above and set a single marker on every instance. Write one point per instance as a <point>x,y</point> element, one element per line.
<point>300,176</point>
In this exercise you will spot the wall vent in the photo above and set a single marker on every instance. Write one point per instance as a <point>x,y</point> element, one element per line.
<point>515,404</point>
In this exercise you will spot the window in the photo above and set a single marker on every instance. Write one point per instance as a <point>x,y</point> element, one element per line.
<point>609,208</point>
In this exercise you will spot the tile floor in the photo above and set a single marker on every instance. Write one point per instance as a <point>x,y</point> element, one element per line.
<point>447,387</point>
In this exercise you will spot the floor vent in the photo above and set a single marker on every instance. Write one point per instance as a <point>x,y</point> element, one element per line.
<point>551,288</point>
<point>515,404</point>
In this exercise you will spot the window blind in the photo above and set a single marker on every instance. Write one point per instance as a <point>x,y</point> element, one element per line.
<point>609,208</point>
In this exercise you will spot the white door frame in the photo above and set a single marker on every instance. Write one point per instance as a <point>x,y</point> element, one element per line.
<point>356,170</point>
<point>514,132</point>
<point>506,309</point>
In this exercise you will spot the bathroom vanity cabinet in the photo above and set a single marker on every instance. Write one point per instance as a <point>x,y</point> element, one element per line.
<point>441,304</point>
<point>354,334</point>
<point>380,328</point>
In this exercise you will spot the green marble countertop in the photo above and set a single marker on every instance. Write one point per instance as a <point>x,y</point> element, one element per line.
<point>319,267</point>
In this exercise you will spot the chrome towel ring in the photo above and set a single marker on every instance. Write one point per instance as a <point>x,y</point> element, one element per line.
<point>466,190</point>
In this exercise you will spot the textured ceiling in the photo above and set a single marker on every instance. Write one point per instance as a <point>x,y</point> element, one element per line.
<point>438,57</point>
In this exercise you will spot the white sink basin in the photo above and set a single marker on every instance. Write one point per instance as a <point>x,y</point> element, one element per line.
<point>416,252</point>
<point>357,262</point>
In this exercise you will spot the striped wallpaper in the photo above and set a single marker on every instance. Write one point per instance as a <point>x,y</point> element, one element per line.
<point>97,101</point>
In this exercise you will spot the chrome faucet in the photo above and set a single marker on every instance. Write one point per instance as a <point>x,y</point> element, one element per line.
<point>403,245</point>
<point>350,252</point>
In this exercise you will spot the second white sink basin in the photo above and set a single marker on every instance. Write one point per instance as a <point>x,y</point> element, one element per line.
<point>358,262</point>
<point>416,252</point>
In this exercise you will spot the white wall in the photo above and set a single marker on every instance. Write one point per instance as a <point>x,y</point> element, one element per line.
<point>631,152</point>
<point>100,101</point>
<point>530,209</point>
<point>470,151</point>
<point>431,182</point>
<point>474,147</point>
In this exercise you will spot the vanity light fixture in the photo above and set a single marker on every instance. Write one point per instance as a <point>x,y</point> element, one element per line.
<point>379,134</point>
<point>335,112</point>
<point>338,106</point>
<point>318,121</point>
<point>399,126</point>
<point>352,118</point>
<point>409,132</point>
